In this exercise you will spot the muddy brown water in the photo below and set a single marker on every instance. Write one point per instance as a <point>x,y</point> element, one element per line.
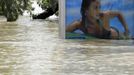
<point>32,47</point>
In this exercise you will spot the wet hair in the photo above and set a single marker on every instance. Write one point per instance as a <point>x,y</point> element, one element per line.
<point>84,6</point>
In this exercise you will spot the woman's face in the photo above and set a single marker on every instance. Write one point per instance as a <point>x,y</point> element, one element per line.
<point>94,9</point>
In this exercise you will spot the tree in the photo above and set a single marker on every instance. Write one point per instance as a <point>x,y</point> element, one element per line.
<point>50,6</point>
<point>12,8</point>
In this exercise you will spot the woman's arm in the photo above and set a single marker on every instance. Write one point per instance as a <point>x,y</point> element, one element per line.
<point>74,26</point>
<point>120,17</point>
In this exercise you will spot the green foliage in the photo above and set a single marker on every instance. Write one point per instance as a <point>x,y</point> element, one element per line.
<point>1,11</point>
<point>47,3</point>
<point>44,3</point>
<point>12,8</point>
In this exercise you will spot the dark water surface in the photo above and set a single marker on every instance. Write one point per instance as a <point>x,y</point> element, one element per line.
<point>32,47</point>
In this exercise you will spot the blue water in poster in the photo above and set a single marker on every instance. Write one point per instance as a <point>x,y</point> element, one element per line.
<point>126,7</point>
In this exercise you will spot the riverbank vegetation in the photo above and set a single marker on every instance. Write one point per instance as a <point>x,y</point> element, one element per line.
<point>11,9</point>
<point>50,7</point>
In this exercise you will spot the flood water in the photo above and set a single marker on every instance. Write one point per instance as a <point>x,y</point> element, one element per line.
<point>32,47</point>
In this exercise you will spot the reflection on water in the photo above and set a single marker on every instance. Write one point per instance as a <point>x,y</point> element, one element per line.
<point>32,47</point>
